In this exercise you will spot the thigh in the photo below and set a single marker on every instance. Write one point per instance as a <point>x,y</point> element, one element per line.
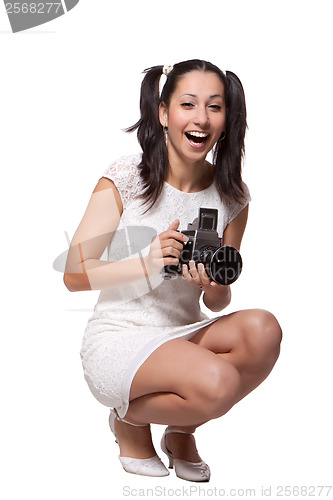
<point>241,334</point>
<point>176,366</point>
<point>224,334</point>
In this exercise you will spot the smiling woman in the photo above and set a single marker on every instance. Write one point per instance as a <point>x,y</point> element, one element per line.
<point>205,93</point>
<point>195,119</point>
<point>149,352</point>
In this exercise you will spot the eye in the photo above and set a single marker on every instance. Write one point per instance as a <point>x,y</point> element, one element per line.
<point>187,105</point>
<point>215,107</point>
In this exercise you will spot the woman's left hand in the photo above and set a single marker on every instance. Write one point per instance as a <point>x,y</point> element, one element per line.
<point>197,276</point>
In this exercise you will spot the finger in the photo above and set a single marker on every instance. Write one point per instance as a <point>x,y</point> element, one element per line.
<point>174,225</point>
<point>162,242</point>
<point>185,272</point>
<point>171,233</point>
<point>162,253</point>
<point>187,275</point>
<point>200,277</point>
<point>193,270</point>
<point>171,252</point>
<point>164,256</point>
<point>167,261</point>
<point>176,235</point>
<point>205,279</point>
<point>172,243</point>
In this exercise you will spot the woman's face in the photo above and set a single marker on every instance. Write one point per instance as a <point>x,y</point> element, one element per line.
<point>196,116</point>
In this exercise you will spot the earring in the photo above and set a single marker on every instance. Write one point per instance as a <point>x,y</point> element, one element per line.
<point>222,137</point>
<point>165,132</point>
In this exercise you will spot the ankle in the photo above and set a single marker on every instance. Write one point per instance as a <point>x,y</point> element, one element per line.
<point>182,446</point>
<point>135,442</point>
<point>124,428</point>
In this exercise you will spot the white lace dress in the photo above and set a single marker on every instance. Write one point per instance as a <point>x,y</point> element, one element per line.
<point>130,322</point>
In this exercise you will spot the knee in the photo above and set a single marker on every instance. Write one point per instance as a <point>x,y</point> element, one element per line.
<point>219,389</point>
<point>263,335</point>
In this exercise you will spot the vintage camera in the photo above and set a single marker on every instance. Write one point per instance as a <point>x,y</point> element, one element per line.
<point>223,264</point>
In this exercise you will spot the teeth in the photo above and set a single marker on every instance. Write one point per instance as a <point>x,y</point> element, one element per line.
<point>197,134</point>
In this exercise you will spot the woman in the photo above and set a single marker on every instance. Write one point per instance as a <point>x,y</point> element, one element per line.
<point>149,353</point>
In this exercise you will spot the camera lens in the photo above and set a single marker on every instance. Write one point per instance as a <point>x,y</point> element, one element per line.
<point>224,265</point>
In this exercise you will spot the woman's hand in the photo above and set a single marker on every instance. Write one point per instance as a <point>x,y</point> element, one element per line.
<point>165,249</point>
<point>197,276</point>
<point>216,297</point>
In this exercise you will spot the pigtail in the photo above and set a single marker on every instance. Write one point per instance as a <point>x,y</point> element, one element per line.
<point>154,164</point>
<point>229,152</point>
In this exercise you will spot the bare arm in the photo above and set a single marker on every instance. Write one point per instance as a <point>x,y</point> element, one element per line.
<point>217,297</point>
<point>84,268</point>
<point>233,233</point>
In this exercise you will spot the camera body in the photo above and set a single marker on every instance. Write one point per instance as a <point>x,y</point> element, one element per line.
<point>223,264</point>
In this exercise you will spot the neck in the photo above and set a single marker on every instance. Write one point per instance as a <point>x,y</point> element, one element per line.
<point>189,176</point>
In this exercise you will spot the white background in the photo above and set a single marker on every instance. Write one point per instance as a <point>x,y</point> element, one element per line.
<point>67,89</point>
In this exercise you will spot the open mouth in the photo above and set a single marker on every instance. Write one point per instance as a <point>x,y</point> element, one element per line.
<point>196,138</point>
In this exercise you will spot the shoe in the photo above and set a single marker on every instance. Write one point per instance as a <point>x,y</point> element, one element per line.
<point>190,471</point>
<point>144,466</point>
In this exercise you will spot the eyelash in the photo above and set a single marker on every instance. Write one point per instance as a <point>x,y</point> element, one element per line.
<point>188,105</point>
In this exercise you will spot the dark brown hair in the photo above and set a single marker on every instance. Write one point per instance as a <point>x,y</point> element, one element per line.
<point>227,158</point>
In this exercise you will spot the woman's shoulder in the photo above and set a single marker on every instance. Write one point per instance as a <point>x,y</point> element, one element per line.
<point>124,165</point>
<point>124,173</point>
<point>234,207</point>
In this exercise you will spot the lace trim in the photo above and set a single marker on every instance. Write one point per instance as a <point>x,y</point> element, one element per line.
<point>125,175</point>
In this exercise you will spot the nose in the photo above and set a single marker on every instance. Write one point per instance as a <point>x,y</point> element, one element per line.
<point>201,118</point>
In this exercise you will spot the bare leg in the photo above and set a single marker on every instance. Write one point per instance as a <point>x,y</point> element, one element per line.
<point>169,389</point>
<point>188,383</point>
<point>250,340</point>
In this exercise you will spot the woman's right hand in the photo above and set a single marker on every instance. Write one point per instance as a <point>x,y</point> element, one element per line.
<point>165,249</point>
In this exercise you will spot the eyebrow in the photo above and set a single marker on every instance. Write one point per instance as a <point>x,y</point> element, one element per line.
<point>210,97</point>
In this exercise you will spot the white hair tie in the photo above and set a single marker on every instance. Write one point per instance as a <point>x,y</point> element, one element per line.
<point>167,70</point>
<point>162,82</point>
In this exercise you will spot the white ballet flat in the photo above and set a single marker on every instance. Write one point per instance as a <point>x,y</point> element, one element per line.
<point>152,466</point>
<point>190,471</point>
